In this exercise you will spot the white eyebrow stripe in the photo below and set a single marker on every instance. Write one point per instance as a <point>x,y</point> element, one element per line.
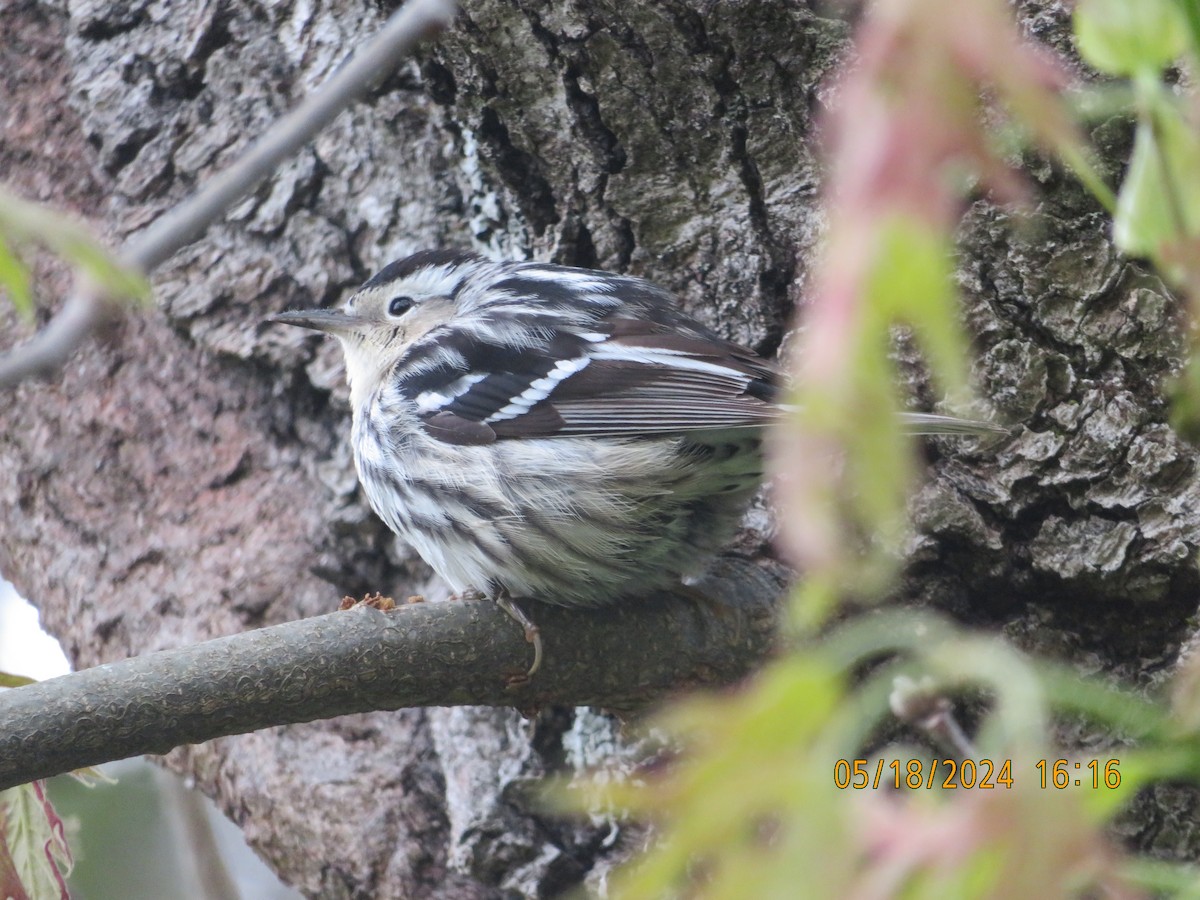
<point>433,400</point>
<point>539,389</point>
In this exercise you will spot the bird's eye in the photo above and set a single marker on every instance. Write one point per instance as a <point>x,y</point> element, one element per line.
<point>399,306</point>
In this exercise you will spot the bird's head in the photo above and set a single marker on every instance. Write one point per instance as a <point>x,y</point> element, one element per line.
<point>398,306</point>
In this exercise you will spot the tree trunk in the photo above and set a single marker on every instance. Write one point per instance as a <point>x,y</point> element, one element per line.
<point>189,476</point>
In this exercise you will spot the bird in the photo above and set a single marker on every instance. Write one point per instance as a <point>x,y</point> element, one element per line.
<point>548,433</point>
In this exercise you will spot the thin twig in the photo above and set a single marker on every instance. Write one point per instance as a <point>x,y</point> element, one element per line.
<point>87,306</point>
<point>47,350</point>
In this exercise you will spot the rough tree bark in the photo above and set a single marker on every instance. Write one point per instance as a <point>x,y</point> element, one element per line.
<point>189,476</point>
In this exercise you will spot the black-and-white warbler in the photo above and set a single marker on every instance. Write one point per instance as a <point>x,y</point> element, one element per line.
<point>551,433</point>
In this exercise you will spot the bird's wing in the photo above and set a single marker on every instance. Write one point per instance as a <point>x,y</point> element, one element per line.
<point>619,377</point>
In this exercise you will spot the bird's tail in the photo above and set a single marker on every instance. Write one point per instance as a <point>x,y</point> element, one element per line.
<point>931,423</point>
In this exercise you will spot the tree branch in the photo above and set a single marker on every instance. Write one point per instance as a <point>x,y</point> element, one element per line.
<point>88,306</point>
<point>426,654</point>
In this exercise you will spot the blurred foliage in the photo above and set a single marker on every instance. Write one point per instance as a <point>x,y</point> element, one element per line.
<point>906,147</point>
<point>772,795</point>
<point>1158,207</point>
<point>774,791</point>
<point>34,856</point>
<point>11,681</point>
<point>26,227</point>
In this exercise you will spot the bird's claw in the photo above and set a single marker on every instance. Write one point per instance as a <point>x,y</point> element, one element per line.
<point>533,635</point>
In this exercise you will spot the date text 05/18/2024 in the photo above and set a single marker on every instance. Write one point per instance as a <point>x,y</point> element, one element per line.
<point>968,774</point>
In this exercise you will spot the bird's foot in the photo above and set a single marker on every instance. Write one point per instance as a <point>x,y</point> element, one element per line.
<point>533,635</point>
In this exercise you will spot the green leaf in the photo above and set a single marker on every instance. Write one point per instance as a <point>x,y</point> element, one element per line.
<point>1162,878</point>
<point>22,222</point>
<point>34,855</point>
<point>14,278</point>
<point>1159,201</point>
<point>11,681</point>
<point>1184,391</point>
<point>913,281</point>
<point>1127,37</point>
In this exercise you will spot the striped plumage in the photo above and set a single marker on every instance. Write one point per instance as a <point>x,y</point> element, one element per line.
<point>560,434</point>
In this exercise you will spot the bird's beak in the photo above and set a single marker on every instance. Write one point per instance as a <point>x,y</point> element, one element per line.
<point>331,321</point>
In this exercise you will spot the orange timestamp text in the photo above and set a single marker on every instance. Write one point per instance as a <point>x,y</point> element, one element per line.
<point>971,774</point>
